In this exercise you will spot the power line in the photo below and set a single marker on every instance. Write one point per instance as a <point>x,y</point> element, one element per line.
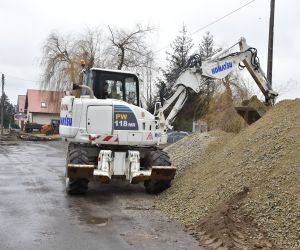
<point>213,22</point>
<point>193,33</point>
<point>223,17</point>
<point>22,79</point>
<point>19,78</point>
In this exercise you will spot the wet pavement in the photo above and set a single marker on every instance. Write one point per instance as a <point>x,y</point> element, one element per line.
<point>36,213</point>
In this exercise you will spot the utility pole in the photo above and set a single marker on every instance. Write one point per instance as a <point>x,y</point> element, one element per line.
<point>2,104</point>
<point>270,46</point>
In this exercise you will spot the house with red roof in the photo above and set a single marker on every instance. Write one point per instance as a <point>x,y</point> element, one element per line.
<point>21,103</point>
<point>41,106</point>
<point>38,106</point>
<point>21,116</point>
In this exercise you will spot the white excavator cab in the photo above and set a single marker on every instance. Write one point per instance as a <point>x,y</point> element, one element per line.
<point>109,84</point>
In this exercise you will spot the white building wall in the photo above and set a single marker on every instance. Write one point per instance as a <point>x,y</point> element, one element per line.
<point>21,120</point>
<point>21,123</point>
<point>42,118</point>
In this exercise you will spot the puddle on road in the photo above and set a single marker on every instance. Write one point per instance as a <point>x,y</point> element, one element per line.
<point>99,221</point>
<point>8,143</point>
<point>42,190</point>
<point>141,208</point>
<point>84,216</point>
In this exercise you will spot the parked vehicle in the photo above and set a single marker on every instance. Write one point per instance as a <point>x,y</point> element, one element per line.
<point>52,128</point>
<point>175,136</point>
<point>14,127</point>
<point>30,127</point>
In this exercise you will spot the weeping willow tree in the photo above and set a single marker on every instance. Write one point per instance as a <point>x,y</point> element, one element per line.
<point>61,56</point>
<point>118,49</point>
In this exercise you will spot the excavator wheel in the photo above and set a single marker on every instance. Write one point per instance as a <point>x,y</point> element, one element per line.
<point>157,158</point>
<point>76,155</point>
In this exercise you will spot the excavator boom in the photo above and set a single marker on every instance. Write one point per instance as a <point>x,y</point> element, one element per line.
<point>218,67</point>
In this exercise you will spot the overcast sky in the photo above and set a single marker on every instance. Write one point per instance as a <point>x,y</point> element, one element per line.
<point>25,24</point>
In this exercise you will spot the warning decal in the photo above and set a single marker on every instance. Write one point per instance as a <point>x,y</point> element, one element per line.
<point>150,137</point>
<point>124,118</point>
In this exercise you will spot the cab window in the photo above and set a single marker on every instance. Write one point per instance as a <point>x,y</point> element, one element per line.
<point>114,85</point>
<point>113,89</point>
<point>131,90</point>
<point>87,78</point>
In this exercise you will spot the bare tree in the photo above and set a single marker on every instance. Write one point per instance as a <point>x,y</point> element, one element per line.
<point>147,85</point>
<point>122,49</point>
<point>129,47</point>
<point>90,47</point>
<point>61,56</point>
<point>58,62</point>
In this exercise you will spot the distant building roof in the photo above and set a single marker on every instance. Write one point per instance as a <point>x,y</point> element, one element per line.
<point>43,101</point>
<point>21,103</point>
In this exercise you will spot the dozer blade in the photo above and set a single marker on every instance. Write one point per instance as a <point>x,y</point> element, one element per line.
<point>163,172</point>
<point>249,114</point>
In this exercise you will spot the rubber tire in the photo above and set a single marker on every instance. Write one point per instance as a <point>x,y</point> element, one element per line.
<point>77,155</point>
<point>157,158</point>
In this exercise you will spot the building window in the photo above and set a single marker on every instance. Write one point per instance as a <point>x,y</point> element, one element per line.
<point>43,105</point>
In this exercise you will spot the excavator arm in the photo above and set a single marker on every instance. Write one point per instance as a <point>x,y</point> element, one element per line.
<point>253,66</point>
<point>189,79</point>
<point>215,67</point>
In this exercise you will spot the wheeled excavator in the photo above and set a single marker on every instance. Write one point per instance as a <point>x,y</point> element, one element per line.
<point>111,135</point>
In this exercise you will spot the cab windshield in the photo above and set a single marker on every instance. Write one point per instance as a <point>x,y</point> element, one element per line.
<point>113,85</point>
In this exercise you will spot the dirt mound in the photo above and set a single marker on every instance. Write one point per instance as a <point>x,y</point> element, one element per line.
<point>255,103</point>
<point>221,115</point>
<point>264,160</point>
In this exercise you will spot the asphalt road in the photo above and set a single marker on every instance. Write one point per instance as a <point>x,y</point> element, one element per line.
<point>35,212</point>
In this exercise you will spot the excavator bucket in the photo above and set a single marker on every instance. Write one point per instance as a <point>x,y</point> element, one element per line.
<point>249,114</point>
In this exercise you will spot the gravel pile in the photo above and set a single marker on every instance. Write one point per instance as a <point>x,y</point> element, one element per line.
<point>244,191</point>
<point>254,102</point>
<point>189,150</point>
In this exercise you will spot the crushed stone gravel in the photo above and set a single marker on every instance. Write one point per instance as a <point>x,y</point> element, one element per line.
<point>187,151</point>
<point>245,185</point>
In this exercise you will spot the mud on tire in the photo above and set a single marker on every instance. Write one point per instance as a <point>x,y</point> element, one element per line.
<point>157,158</point>
<point>77,155</point>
